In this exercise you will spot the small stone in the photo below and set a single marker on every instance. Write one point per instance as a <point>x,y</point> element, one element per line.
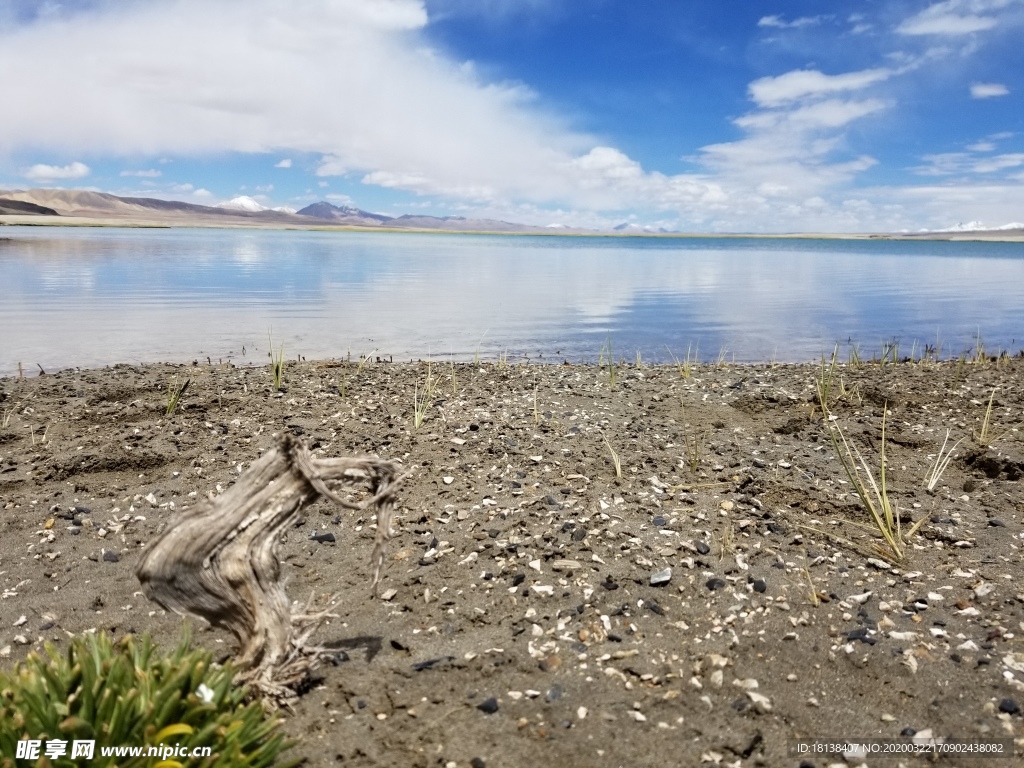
<point>661,578</point>
<point>661,522</point>
<point>477,762</point>
<point>488,706</point>
<point>579,534</point>
<point>714,583</point>
<point>760,585</point>
<point>323,538</point>
<point>727,506</point>
<point>996,523</point>
<point>554,693</point>
<point>111,555</point>
<point>701,547</point>
<point>581,713</point>
<point>388,594</point>
<point>21,620</point>
<point>608,584</point>
<point>1009,706</point>
<point>447,479</point>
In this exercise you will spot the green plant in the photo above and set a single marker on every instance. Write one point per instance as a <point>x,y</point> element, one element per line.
<point>874,495</point>
<point>854,356</point>
<point>421,400</point>
<point>615,456</point>
<point>823,384</point>
<point>123,695</point>
<point>174,394</point>
<point>983,436</point>
<point>276,364</point>
<point>931,479</point>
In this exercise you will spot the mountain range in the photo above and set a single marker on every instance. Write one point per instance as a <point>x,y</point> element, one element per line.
<point>100,207</point>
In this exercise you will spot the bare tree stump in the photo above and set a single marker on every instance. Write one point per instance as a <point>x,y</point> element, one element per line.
<point>219,560</point>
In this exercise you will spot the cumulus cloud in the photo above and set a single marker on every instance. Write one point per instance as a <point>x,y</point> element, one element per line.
<point>804,83</point>
<point>286,163</point>
<point>41,172</point>
<point>988,90</point>
<point>352,80</point>
<point>148,174</point>
<point>954,18</point>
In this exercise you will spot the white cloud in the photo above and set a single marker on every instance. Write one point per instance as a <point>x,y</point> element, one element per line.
<point>779,23</point>
<point>809,83</point>
<point>286,163</point>
<point>202,193</point>
<point>149,174</point>
<point>954,18</point>
<point>981,146</point>
<point>988,90</point>
<point>41,172</point>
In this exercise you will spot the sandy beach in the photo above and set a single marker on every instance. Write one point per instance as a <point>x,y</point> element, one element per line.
<point>714,599</point>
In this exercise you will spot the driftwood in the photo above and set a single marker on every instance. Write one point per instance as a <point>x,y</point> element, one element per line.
<point>219,560</point>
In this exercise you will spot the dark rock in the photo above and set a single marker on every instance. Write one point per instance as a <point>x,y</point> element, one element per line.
<point>608,584</point>
<point>488,706</point>
<point>477,762</point>
<point>702,547</point>
<point>714,583</point>
<point>579,534</point>
<point>996,523</point>
<point>861,633</point>
<point>554,693</point>
<point>660,521</point>
<point>111,555</point>
<point>760,585</point>
<point>518,579</point>
<point>1009,706</point>
<point>423,665</point>
<point>323,538</point>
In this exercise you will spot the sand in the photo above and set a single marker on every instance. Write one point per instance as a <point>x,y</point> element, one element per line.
<point>530,612</point>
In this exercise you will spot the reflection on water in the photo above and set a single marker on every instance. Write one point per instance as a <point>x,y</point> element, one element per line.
<point>93,297</point>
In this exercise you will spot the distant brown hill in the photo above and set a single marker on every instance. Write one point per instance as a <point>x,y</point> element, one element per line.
<point>107,208</point>
<point>20,208</point>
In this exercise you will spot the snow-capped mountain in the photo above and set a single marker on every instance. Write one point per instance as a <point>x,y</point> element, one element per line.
<point>242,203</point>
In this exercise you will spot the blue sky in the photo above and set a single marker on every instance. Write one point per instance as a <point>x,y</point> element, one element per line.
<point>776,115</point>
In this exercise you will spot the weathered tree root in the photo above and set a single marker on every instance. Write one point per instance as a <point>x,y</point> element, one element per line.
<point>219,560</point>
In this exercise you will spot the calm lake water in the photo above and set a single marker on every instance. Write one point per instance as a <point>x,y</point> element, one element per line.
<point>92,297</point>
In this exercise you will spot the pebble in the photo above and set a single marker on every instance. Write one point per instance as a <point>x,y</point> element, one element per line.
<point>661,577</point>
<point>488,706</point>
<point>579,534</point>
<point>554,693</point>
<point>714,583</point>
<point>701,546</point>
<point>760,585</point>
<point>1009,706</point>
<point>659,522</point>
<point>323,538</point>
<point>111,555</point>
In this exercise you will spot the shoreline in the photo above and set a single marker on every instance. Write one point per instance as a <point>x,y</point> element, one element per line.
<point>1010,236</point>
<point>618,562</point>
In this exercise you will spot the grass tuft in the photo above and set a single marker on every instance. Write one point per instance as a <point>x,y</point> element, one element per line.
<point>421,400</point>
<point>276,364</point>
<point>931,479</point>
<point>175,391</point>
<point>615,457</point>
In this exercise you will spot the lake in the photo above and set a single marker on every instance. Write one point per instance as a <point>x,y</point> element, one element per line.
<point>93,297</point>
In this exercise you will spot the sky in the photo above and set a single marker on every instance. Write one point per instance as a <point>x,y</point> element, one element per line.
<point>687,115</point>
